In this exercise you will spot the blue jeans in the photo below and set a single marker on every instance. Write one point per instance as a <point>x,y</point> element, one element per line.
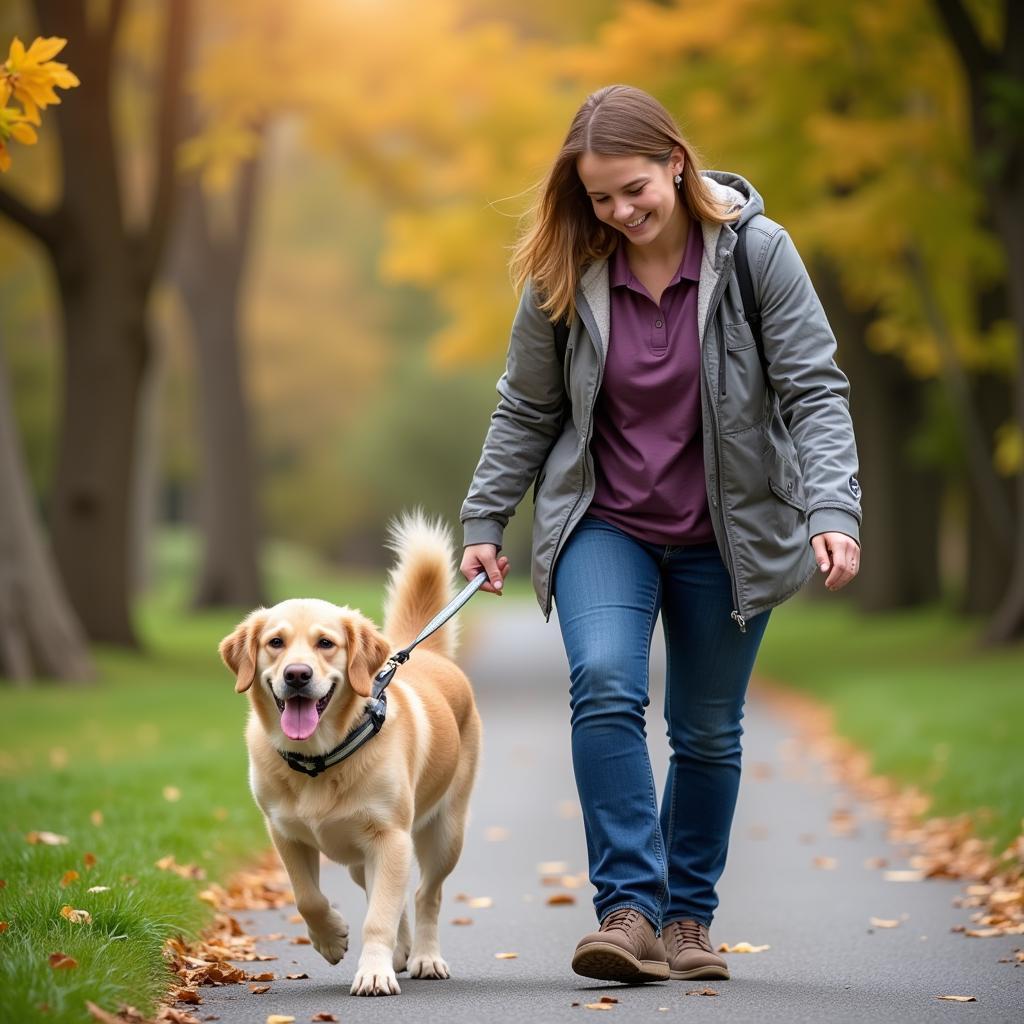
<point>609,589</point>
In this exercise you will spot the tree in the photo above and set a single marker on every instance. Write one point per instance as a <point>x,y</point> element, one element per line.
<point>104,268</point>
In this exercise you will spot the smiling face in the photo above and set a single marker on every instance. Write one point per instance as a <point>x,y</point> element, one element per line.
<point>298,655</point>
<point>632,194</point>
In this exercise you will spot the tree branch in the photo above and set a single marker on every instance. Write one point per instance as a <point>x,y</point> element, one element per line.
<point>40,225</point>
<point>975,56</point>
<point>169,134</point>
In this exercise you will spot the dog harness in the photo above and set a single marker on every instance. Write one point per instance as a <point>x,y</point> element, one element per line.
<point>377,703</point>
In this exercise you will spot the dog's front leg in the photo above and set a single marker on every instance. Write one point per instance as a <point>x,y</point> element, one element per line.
<point>327,928</point>
<point>388,859</point>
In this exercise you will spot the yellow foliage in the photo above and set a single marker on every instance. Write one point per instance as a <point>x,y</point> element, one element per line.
<point>1009,452</point>
<point>29,77</point>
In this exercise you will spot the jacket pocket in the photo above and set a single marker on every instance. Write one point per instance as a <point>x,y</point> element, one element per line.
<point>785,482</point>
<point>742,393</point>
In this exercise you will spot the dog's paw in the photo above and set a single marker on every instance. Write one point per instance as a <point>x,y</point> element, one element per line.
<point>375,978</point>
<point>330,941</point>
<point>428,965</point>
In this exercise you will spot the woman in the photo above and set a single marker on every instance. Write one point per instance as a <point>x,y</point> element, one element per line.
<point>682,466</point>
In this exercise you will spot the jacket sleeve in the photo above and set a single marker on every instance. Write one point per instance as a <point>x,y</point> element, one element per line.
<point>813,392</point>
<point>523,427</point>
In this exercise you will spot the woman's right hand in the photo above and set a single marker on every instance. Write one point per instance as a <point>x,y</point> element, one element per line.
<point>485,556</point>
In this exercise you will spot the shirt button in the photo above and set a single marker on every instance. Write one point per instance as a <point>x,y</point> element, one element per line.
<point>657,323</point>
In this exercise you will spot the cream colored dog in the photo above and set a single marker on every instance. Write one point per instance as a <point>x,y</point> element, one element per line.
<point>308,667</point>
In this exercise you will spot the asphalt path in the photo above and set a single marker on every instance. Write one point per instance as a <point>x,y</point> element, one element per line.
<point>825,962</point>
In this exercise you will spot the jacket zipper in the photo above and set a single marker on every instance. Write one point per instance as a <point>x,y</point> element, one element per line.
<point>734,615</point>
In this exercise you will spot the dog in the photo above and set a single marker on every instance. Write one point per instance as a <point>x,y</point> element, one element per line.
<point>308,667</point>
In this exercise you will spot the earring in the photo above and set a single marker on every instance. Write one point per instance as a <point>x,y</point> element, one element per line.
<point>678,180</point>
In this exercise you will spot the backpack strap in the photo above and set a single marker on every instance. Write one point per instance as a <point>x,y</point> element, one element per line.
<point>561,327</point>
<point>751,311</point>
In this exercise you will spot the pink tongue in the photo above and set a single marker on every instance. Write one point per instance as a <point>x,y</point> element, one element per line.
<point>299,718</point>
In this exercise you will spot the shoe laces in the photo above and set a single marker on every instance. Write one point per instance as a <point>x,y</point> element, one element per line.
<point>682,934</point>
<point>621,920</point>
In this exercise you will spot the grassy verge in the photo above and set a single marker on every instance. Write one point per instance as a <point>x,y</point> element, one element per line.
<point>914,690</point>
<point>146,763</point>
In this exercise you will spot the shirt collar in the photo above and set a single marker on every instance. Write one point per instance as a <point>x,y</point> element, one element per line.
<point>619,273</point>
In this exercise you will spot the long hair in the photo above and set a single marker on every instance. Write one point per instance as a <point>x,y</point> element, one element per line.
<point>562,234</point>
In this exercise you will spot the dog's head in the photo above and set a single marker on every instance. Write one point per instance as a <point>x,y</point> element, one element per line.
<point>296,659</point>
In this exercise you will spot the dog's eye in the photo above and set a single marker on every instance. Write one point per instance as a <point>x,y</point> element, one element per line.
<point>275,641</point>
<point>325,643</point>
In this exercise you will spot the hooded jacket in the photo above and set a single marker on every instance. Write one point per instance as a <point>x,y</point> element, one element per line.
<point>780,460</point>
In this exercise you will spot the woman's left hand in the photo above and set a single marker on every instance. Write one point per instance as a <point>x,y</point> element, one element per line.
<point>838,555</point>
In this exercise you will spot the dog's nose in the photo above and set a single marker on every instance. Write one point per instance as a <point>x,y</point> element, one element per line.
<point>298,675</point>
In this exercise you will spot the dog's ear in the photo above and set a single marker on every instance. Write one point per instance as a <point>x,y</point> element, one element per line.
<point>367,651</point>
<point>238,649</point>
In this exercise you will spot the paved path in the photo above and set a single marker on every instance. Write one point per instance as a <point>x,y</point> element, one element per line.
<point>825,962</point>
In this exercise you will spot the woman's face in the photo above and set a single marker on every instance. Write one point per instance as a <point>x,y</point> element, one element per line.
<point>632,194</point>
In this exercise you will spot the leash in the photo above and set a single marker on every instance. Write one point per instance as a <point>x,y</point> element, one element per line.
<point>377,703</point>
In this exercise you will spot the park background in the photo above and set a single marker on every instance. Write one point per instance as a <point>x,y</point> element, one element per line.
<point>254,303</point>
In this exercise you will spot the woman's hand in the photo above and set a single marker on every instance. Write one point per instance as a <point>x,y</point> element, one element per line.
<point>485,556</point>
<point>838,555</point>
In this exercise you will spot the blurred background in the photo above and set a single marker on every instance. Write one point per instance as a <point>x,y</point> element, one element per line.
<point>254,302</point>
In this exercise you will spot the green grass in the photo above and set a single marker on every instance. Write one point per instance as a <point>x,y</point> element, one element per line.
<point>165,718</point>
<point>915,691</point>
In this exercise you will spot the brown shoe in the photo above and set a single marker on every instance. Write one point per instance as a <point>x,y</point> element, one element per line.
<point>690,953</point>
<point>625,948</point>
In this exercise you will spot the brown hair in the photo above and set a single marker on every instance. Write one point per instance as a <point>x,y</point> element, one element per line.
<point>562,233</point>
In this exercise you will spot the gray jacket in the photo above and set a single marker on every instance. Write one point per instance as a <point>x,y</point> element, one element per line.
<point>780,459</point>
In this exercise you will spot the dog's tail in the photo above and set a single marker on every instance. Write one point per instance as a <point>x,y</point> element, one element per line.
<point>420,582</point>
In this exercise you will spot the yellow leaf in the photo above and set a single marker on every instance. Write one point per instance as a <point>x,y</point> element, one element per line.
<point>506,956</point>
<point>741,947</point>
<point>46,839</point>
<point>69,877</point>
<point>881,922</point>
<point>75,916</point>
<point>959,999</point>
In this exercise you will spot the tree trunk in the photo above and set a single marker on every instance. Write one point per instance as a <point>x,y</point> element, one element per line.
<point>995,79</point>
<point>902,500</point>
<point>209,269</point>
<point>39,634</point>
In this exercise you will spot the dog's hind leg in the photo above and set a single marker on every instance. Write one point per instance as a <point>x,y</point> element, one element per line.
<point>401,958</point>
<point>438,845</point>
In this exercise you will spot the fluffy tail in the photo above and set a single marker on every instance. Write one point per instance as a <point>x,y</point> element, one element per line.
<point>420,582</point>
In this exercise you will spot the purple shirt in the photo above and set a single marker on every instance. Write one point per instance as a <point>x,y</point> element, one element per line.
<point>648,443</point>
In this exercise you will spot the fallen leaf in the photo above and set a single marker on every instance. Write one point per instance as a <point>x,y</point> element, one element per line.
<point>295,919</point>
<point>258,990</point>
<point>62,962</point>
<point>983,933</point>
<point>302,940</point>
<point>280,1018</point>
<point>881,922</point>
<point>46,839</point>
<point>552,867</point>
<point>825,863</point>
<point>506,956</point>
<point>96,817</point>
<point>89,860</point>
<point>607,999</point>
<point>741,947</point>
<point>323,1016</point>
<point>959,999</point>
<point>3,927</point>
<point>75,916</point>
<point>3,883</point>
<point>172,794</point>
<point>702,992</point>
<point>168,863</point>
<point>188,995</point>
<point>265,976</point>
<point>598,1006</point>
<point>496,834</point>
<point>462,920</point>
<point>481,902</point>
<point>98,888</point>
<point>69,877</point>
<point>561,899</point>
<point>903,876</point>
<point>98,1013</point>
<point>296,977</point>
